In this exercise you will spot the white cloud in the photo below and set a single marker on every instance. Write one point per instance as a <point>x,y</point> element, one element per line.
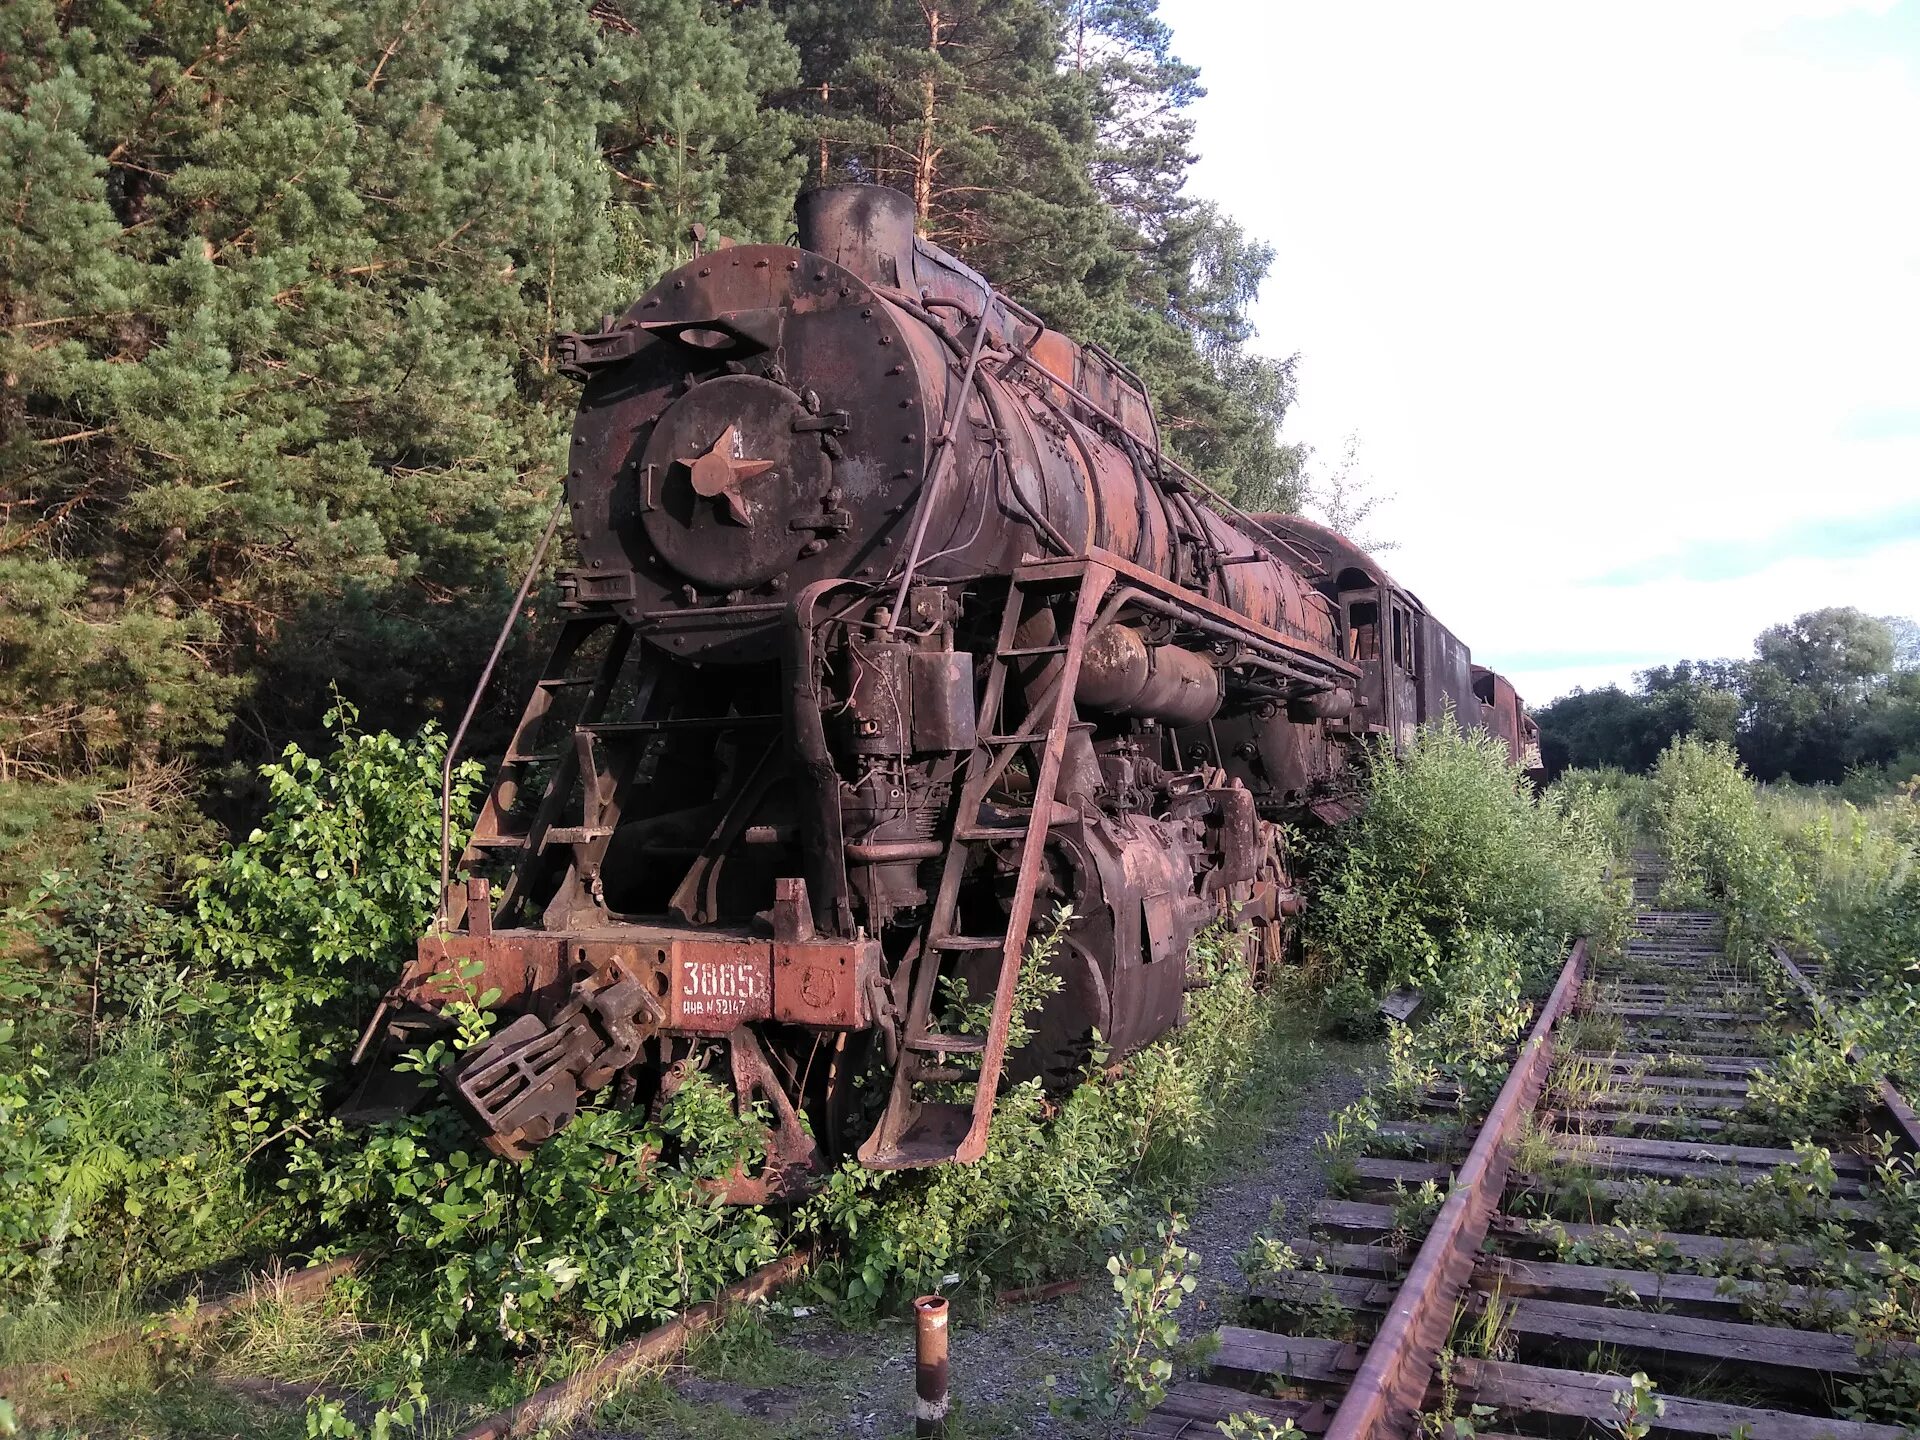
<point>1590,284</point>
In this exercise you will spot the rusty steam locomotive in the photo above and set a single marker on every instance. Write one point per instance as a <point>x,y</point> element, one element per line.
<point>893,630</point>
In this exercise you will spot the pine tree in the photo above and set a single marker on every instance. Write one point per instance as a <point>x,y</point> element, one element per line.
<point>276,288</point>
<point>1179,310</point>
<point>962,105</point>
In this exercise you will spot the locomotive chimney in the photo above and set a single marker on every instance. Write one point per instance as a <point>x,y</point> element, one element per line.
<point>867,228</point>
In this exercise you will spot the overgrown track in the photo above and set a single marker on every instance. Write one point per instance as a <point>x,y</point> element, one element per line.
<point>1623,1208</point>
<point>272,1281</point>
<point>560,1402</point>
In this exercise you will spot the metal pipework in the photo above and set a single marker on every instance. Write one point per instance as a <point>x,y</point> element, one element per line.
<point>930,1366</point>
<point>1123,675</point>
<point>473,704</point>
<point>1323,705</point>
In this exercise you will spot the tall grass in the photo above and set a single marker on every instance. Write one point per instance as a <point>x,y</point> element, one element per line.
<point>1809,867</point>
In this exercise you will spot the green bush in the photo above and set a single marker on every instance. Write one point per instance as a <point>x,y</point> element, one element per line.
<point>1719,846</point>
<point>1798,864</point>
<point>1061,1180</point>
<point>615,1221</point>
<point>1452,848</point>
<point>216,1027</point>
<point>298,928</point>
<point>201,1124</point>
<point>1619,804</point>
<point>1808,867</point>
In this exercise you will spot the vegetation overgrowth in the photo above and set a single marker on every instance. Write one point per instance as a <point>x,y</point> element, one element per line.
<point>167,1105</point>
<point>1831,879</point>
<point>1066,1176</point>
<point>1834,881</point>
<point>1460,882</point>
<point>1457,880</point>
<point>281,408</point>
<point>184,1117</point>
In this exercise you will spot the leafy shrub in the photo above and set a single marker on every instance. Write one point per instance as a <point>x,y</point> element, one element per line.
<point>298,928</point>
<point>1719,846</point>
<point>1469,1033</point>
<point>117,1175</point>
<point>203,1120</point>
<point>1131,1376</point>
<point>1059,1177</point>
<point>214,1030</point>
<point>615,1221</point>
<point>1618,804</point>
<point>1811,1088</point>
<point>1453,847</point>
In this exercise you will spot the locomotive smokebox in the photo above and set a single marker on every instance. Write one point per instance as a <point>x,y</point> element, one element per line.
<point>866,228</point>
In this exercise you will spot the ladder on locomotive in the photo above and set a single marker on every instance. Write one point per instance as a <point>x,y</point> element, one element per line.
<point>915,1131</point>
<point>572,670</point>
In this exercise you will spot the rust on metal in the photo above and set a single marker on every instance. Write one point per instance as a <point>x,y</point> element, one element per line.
<point>1679,1056</point>
<point>894,629</point>
<point>566,1398</point>
<point>1391,1384</point>
<point>930,1399</point>
<point>1039,1294</point>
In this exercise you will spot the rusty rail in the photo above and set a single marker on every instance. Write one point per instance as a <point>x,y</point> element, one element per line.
<point>296,1287</point>
<point>566,1398</point>
<point>1532,1255</point>
<point>1391,1382</point>
<point>1899,1112</point>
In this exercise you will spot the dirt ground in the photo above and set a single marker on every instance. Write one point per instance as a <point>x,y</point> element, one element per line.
<point>785,1376</point>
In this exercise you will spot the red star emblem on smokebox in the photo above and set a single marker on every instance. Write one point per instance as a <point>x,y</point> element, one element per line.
<point>720,472</point>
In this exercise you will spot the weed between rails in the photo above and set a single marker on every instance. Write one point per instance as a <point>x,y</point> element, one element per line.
<point>1794,1255</point>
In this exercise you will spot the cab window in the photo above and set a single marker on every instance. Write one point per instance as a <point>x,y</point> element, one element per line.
<point>1363,630</point>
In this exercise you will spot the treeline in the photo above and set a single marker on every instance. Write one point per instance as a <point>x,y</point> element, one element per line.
<point>1830,695</point>
<point>278,413</point>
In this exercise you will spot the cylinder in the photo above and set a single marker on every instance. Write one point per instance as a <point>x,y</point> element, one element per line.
<point>930,1366</point>
<point>866,228</point>
<point>1123,675</point>
<point>1323,705</point>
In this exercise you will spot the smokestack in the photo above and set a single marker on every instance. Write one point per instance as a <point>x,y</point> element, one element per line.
<point>866,228</point>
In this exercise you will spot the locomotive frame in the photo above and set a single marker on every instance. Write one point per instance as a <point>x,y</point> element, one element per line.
<point>894,627</point>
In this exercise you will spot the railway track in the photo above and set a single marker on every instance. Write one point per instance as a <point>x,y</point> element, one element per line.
<point>552,1405</point>
<point>1623,1212</point>
<point>274,1280</point>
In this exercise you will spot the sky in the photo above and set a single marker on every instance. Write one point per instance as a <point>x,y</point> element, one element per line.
<point>1622,301</point>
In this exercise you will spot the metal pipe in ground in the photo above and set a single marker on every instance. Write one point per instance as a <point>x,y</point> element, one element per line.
<point>930,1366</point>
